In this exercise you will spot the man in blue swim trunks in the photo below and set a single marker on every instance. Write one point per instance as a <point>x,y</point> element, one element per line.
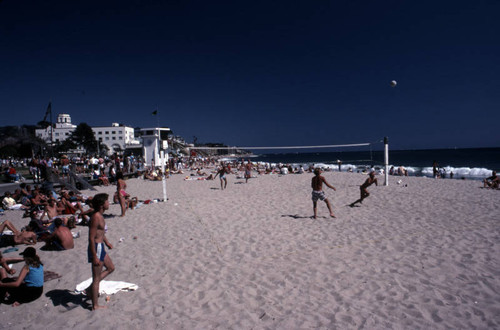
<point>222,175</point>
<point>96,251</point>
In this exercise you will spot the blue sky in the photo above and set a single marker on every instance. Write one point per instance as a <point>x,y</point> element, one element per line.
<point>260,73</point>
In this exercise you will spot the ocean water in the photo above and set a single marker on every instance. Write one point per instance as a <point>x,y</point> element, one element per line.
<point>464,163</point>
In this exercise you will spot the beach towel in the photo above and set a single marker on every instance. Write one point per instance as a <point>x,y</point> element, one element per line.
<point>107,287</point>
<point>15,207</point>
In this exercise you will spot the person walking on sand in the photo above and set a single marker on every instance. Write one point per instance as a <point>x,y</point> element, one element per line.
<point>97,255</point>
<point>222,175</point>
<point>364,193</point>
<point>248,171</point>
<point>121,194</point>
<point>435,169</point>
<point>318,193</point>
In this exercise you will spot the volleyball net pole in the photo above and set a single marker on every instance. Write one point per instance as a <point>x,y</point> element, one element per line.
<point>386,160</point>
<point>164,177</point>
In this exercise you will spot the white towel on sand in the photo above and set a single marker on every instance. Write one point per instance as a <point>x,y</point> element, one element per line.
<point>107,287</point>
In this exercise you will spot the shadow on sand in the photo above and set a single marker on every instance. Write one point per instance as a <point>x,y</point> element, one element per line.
<point>296,216</point>
<point>68,299</point>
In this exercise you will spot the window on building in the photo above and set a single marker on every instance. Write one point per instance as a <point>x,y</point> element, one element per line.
<point>120,138</point>
<point>120,132</point>
<point>66,134</point>
<point>113,132</point>
<point>114,138</point>
<point>107,138</point>
<point>99,132</point>
<point>57,134</point>
<point>100,139</point>
<point>107,132</point>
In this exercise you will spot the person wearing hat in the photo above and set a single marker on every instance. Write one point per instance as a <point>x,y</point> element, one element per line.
<point>28,286</point>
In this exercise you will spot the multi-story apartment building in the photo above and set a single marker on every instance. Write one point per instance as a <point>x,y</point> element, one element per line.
<point>116,137</point>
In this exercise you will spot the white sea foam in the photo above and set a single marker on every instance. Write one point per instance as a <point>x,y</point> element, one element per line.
<point>458,172</point>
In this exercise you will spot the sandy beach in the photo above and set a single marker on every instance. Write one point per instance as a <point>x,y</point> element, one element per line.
<point>423,254</point>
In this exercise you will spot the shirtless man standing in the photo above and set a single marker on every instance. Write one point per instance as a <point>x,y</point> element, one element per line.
<point>364,193</point>
<point>248,171</point>
<point>64,167</point>
<point>96,253</point>
<point>318,193</point>
<point>222,175</point>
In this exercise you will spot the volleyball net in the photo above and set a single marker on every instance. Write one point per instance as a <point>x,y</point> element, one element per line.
<point>350,156</point>
<point>366,152</point>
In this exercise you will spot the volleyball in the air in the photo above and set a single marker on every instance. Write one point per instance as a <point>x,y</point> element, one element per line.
<point>394,83</point>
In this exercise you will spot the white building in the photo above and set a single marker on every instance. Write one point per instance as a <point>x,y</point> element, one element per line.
<point>62,130</point>
<point>116,137</point>
<point>154,141</point>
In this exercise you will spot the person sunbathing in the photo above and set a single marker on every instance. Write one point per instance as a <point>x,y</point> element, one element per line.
<point>200,172</point>
<point>60,239</point>
<point>53,211</point>
<point>69,207</point>
<point>26,236</point>
<point>492,182</point>
<point>8,201</point>
<point>38,200</point>
<point>103,179</point>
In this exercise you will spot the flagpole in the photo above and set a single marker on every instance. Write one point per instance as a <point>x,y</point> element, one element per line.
<point>157,117</point>
<point>51,132</point>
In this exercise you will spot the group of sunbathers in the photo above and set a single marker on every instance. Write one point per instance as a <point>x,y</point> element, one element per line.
<point>51,218</point>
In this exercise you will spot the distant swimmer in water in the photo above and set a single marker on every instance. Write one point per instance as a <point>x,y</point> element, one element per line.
<point>364,193</point>
<point>318,193</point>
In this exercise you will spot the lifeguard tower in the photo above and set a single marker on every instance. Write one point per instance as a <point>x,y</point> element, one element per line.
<point>154,142</point>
